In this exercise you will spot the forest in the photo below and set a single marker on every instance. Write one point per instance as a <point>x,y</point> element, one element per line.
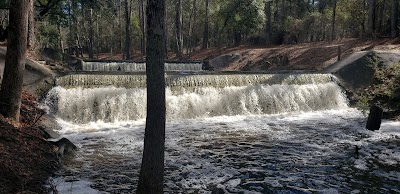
<point>286,117</point>
<point>118,26</point>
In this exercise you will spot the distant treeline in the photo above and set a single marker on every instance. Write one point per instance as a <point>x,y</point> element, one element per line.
<point>118,26</point>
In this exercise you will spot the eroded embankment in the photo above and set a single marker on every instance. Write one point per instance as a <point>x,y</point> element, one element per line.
<point>26,157</point>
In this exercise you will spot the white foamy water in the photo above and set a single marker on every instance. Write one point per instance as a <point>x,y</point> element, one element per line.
<point>289,153</point>
<point>190,80</point>
<point>268,138</point>
<point>82,105</point>
<point>133,66</point>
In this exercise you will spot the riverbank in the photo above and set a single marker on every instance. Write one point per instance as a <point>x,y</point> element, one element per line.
<point>27,159</point>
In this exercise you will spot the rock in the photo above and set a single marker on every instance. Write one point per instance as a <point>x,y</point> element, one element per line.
<point>206,66</point>
<point>374,118</point>
<point>223,61</point>
<point>64,146</point>
<point>54,55</point>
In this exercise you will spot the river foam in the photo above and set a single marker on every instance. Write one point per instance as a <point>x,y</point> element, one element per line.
<point>290,153</point>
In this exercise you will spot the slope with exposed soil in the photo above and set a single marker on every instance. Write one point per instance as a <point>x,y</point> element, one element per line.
<point>26,158</point>
<point>306,56</point>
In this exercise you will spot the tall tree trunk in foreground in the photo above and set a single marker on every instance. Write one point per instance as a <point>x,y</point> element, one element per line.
<point>394,19</point>
<point>11,88</point>
<point>206,27</point>
<point>127,31</point>
<point>151,176</point>
<point>178,25</point>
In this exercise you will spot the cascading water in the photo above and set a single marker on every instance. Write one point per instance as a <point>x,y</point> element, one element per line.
<point>192,80</point>
<point>134,66</point>
<point>276,133</point>
<point>112,104</point>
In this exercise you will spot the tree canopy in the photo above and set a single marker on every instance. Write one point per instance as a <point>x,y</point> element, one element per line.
<point>68,23</point>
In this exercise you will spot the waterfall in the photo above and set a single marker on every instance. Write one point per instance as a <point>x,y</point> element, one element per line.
<point>197,96</point>
<point>137,66</point>
<point>191,80</point>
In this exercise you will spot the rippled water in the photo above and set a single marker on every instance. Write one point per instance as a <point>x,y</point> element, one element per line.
<point>284,153</point>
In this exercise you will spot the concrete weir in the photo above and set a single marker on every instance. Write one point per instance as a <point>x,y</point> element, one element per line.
<point>138,66</point>
<point>189,79</point>
<point>36,76</point>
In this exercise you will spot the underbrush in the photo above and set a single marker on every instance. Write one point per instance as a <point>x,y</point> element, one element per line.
<point>384,92</point>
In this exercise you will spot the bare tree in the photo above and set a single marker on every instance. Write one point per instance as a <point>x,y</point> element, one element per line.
<point>381,16</point>
<point>31,26</point>
<point>151,176</point>
<point>11,88</point>
<point>394,20</point>
<point>268,17</point>
<point>206,28</point>
<point>127,31</point>
<point>333,20</point>
<point>142,16</point>
<point>192,23</point>
<point>178,25</point>
<point>371,17</point>
<point>91,34</point>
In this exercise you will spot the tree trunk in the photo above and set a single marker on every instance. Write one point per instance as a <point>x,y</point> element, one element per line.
<point>31,26</point>
<point>188,42</point>
<point>192,38</point>
<point>333,20</point>
<point>268,17</point>
<point>237,38</point>
<point>363,19</point>
<point>61,45</point>
<point>98,36</point>
<point>371,17</point>
<point>374,118</point>
<point>283,15</point>
<point>381,16</point>
<point>127,31</point>
<point>142,26</point>
<point>394,19</point>
<point>206,27</point>
<point>75,21</point>
<point>151,176</point>
<point>91,34</point>
<point>11,87</point>
<point>119,35</point>
<point>178,25</point>
<point>70,39</point>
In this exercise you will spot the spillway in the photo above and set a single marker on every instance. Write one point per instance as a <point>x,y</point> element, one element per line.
<point>225,133</point>
<point>131,66</point>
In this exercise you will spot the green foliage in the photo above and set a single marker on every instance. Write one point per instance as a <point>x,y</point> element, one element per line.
<point>240,14</point>
<point>386,87</point>
<point>48,35</point>
<point>291,22</point>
